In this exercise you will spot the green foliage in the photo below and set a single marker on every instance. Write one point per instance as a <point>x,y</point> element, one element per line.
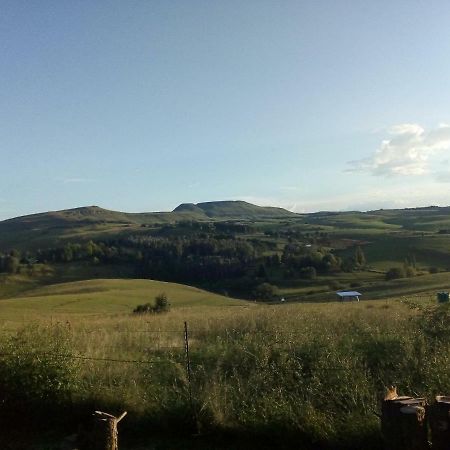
<point>435,324</point>
<point>143,309</point>
<point>266,291</point>
<point>309,273</point>
<point>360,259</point>
<point>395,272</point>
<point>410,271</point>
<point>259,370</point>
<point>36,370</point>
<point>10,263</point>
<point>160,305</point>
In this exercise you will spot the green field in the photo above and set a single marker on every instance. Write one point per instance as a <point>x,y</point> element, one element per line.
<point>306,373</point>
<point>102,297</point>
<point>266,372</point>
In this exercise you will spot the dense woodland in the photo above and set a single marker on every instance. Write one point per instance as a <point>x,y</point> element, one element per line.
<point>238,251</point>
<point>220,255</point>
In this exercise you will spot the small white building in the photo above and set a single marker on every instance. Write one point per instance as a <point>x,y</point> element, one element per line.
<point>348,295</point>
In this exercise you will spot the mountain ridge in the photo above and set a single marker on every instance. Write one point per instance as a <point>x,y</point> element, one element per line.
<point>223,208</point>
<point>52,227</point>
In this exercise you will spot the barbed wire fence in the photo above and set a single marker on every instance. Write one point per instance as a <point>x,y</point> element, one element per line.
<point>179,352</point>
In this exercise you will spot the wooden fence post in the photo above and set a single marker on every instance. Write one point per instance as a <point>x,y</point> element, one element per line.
<point>105,436</point>
<point>439,419</point>
<point>403,424</point>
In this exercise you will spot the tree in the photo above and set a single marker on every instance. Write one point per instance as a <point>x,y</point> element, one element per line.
<point>395,272</point>
<point>310,273</point>
<point>12,264</point>
<point>360,259</point>
<point>161,303</point>
<point>262,272</point>
<point>265,291</point>
<point>409,268</point>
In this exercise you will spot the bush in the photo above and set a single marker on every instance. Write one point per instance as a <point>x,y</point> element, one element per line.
<point>310,273</point>
<point>395,272</point>
<point>160,305</point>
<point>142,309</point>
<point>265,291</point>
<point>38,374</point>
<point>335,285</point>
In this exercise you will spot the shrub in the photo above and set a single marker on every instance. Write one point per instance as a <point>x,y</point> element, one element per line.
<point>265,291</point>
<point>395,272</point>
<point>335,285</point>
<point>160,305</point>
<point>142,309</point>
<point>37,374</point>
<point>310,273</point>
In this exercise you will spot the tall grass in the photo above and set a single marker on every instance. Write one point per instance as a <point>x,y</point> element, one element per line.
<point>303,373</point>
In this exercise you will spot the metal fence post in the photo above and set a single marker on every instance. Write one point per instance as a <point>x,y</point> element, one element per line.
<point>188,361</point>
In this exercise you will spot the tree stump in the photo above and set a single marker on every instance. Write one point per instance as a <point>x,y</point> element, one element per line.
<point>439,419</point>
<point>105,435</point>
<point>403,424</point>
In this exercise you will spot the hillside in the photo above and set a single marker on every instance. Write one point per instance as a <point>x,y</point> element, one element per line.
<point>233,246</point>
<point>104,297</point>
<point>91,222</point>
<point>233,210</point>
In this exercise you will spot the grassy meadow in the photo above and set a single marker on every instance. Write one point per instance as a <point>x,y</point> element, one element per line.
<point>308,373</point>
<point>296,375</point>
<point>101,297</point>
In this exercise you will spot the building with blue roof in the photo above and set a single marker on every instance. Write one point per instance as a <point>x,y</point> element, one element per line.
<point>348,295</point>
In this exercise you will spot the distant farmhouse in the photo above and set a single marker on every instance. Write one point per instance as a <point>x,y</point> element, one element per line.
<point>348,295</point>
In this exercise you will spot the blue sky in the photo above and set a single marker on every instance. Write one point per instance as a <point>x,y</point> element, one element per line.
<point>142,105</point>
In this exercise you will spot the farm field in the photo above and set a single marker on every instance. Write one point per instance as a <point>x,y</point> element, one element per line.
<point>306,373</point>
<point>102,297</point>
<point>225,225</point>
<point>260,372</point>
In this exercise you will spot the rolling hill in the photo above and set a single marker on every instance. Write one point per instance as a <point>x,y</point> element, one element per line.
<point>104,297</point>
<point>50,228</point>
<point>233,210</point>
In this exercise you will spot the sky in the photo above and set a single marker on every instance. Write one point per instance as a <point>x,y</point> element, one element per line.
<point>142,105</point>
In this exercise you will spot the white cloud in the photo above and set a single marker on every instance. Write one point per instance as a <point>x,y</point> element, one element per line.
<point>407,151</point>
<point>443,177</point>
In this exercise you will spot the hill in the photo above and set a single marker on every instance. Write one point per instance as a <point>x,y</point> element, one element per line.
<point>234,246</point>
<point>104,297</point>
<point>235,209</point>
<point>91,222</point>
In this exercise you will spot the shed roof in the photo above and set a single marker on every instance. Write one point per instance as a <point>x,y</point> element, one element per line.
<point>348,293</point>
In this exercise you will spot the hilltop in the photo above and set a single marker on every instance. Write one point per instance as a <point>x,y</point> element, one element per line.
<point>91,222</point>
<point>235,209</point>
<point>104,296</point>
<point>234,247</point>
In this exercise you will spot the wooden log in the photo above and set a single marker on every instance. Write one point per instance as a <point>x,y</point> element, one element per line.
<point>105,434</point>
<point>403,424</point>
<point>439,419</point>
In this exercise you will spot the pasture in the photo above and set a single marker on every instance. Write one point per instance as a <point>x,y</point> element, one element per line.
<point>296,375</point>
<point>101,297</point>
